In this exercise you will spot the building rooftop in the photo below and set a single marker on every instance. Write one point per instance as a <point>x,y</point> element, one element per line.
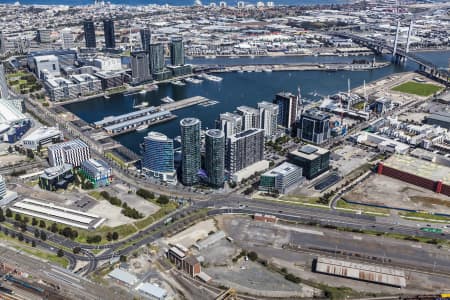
<point>309,152</point>
<point>52,172</point>
<point>123,276</point>
<point>157,136</point>
<point>9,113</point>
<point>246,133</point>
<point>247,109</point>
<point>283,169</point>
<point>215,133</point>
<point>419,167</point>
<point>189,121</point>
<point>73,144</point>
<point>45,58</point>
<point>42,133</point>
<point>152,290</point>
<point>315,114</point>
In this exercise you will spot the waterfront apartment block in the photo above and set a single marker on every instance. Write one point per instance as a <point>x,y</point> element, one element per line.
<point>190,150</point>
<point>268,115</point>
<point>158,158</point>
<point>244,149</point>
<point>73,152</point>
<point>215,157</point>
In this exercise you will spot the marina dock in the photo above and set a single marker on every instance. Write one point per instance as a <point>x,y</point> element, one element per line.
<point>184,103</point>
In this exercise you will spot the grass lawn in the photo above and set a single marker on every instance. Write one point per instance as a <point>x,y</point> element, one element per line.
<point>416,88</point>
<point>426,216</point>
<point>47,256</point>
<point>365,209</point>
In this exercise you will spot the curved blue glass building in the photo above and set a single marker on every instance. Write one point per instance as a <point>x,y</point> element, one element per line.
<point>158,157</point>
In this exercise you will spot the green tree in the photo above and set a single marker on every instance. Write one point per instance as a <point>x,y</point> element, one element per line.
<point>163,200</point>
<point>76,250</point>
<point>42,224</point>
<point>252,256</point>
<point>115,235</point>
<point>34,222</point>
<point>37,233</point>
<point>60,253</point>
<point>18,217</point>
<point>43,235</point>
<point>33,243</point>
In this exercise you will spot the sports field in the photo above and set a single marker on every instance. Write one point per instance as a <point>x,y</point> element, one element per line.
<point>416,88</point>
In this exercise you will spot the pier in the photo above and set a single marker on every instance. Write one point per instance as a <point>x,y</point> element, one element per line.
<point>115,125</point>
<point>299,67</point>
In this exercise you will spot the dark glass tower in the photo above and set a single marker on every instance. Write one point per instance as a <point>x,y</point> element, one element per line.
<point>108,27</point>
<point>89,34</point>
<point>145,38</point>
<point>177,52</point>
<point>156,57</point>
<point>215,156</point>
<point>190,150</point>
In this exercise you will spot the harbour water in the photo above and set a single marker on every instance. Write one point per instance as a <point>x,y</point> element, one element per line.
<point>234,90</point>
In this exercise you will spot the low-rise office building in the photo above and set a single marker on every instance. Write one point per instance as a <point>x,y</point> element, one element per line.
<point>312,159</point>
<point>97,171</point>
<point>57,177</point>
<point>46,64</point>
<point>42,136</point>
<point>281,179</point>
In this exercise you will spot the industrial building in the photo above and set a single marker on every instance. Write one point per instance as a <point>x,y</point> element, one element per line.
<point>314,126</point>
<point>439,118</point>
<point>13,123</point>
<point>41,137</point>
<point>158,157</point>
<point>98,172</point>
<point>73,152</point>
<point>244,149</point>
<point>384,144</point>
<point>180,257</point>
<point>358,271</point>
<point>56,213</point>
<point>152,291</point>
<point>57,177</point>
<point>281,179</point>
<point>123,277</point>
<point>423,173</point>
<point>312,159</point>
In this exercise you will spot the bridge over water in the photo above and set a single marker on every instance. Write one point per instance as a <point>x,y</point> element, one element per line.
<point>399,55</point>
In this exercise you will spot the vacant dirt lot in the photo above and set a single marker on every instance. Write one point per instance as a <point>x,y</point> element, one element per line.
<point>383,190</point>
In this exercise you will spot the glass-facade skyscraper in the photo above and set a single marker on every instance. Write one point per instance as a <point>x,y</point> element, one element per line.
<point>158,157</point>
<point>177,52</point>
<point>215,156</point>
<point>108,28</point>
<point>156,57</point>
<point>190,150</point>
<point>89,34</point>
<point>146,36</point>
<point>314,126</point>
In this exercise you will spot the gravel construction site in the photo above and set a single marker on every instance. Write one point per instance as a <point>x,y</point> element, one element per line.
<point>268,241</point>
<point>384,190</point>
